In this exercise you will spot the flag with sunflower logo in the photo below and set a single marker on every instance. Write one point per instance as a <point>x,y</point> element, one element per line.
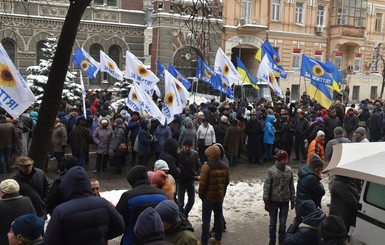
<point>132,101</point>
<point>335,74</point>
<point>225,68</point>
<point>86,63</point>
<point>109,66</point>
<point>246,77</point>
<point>320,81</point>
<point>15,94</point>
<point>173,103</point>
<point>266,73</point>
<point>136,71</point>
<point>186,83</point>
<point>147,104</point>
<point>275,61</point>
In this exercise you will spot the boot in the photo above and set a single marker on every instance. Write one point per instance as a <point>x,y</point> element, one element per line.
<point>213,241</point>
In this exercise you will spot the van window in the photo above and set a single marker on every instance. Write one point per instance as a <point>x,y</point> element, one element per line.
<point>374,195</point>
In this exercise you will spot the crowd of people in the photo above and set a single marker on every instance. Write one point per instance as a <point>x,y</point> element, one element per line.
<point>200,145</point>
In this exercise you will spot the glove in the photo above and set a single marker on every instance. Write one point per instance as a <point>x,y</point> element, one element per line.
<point>267,206</point>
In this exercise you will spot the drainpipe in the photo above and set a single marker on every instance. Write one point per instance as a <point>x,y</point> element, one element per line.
<point>329,24</point>
<point>268,18</point>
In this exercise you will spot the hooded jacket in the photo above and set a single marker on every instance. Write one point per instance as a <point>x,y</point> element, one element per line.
<point>189,133</point>
<point>83,218</point>
<point>309,186</point>
<point>134,201</point>
<point>316,147</point>
<point>102,138</point>
<point>268,136</point>
<point>170,156</point>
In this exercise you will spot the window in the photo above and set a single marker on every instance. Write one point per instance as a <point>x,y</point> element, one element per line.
<point>295,92</point>
<point>356,93</point>
<point>378,25</point>
<point>114,53</point>
<point>321,16</point>
<point>312,2</point>
<point>357,63</point>
<point>338,60</point>
<point>299,12</point>
<point>374,195</point>
<point>246,10</point>
<point>39,52</point>
<point>276,10</point>
<point>106,2</point>
<point>349,12</point>
<point>95,53</point>
<point>373,92</point>
<point>296,58</point>
<point>10,47</point>
<point>318,55</point>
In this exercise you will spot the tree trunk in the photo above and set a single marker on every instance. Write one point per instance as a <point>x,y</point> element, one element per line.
<point>54,87</point>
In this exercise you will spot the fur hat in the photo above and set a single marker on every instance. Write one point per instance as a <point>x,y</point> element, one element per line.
<point>332,228</point>
<point>28,228</point>
<point>168,211</point>
<point>213,153</point>
<point>320,133</point>
<point>9,186</point>
<point>315,161</point>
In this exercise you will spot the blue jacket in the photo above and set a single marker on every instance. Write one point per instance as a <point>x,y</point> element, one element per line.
<point>309,186</point>
<point>268,136</point>
<point>83,218</point>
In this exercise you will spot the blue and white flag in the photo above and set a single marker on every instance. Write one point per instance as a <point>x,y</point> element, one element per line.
<point>172,99</point>
<point>161,69</point>
<point>109,66</point>
<point>186,83</point>
<point>15,94</point>
<point>225,68</point>
<point>85,62</point>
<point>266,73</point>
<point>136,71</point>
<point>132,101</point>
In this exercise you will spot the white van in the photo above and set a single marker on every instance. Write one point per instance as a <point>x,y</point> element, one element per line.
<point>365,161</point>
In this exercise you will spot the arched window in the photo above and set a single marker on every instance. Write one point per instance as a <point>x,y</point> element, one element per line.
<point>10,47</point>
<point>39,52</point>
<point>115,54</point>
<point>95,53</point>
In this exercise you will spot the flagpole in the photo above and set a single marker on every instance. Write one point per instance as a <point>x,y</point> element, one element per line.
<point>83,93</point>
<point>300,80</point>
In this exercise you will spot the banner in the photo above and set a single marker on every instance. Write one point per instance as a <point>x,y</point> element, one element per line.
<point>161,69</point>
<point>314,70</point>
<point>136,71</point>
<point>172,100</point>
<point>132,101</point>
<point>246,77</point>
<point>85,62</point>
<point>225,68</point>
<point>15,94</point>
<point>275,60</point>
<point>186,83</point>
<point>266,73</point>
<point>109,66</point>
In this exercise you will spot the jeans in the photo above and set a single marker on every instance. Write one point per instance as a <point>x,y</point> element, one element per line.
<point>5,160</point>
<point>283,210</point>
<point>207,208</point>
<point>190,189</point>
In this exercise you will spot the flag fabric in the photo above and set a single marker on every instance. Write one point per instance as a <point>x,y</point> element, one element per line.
<point>266,73</point>
<point>15,94</point>
<point>172,99</point>
<point>275,61</point>
<point>136,71</point>
<point>183,93</point>
<point>331,68</point>
<point>83,95</point>
<point>109,66</point>
<point>186,83</point>
<point>132,101</point>
<point>320,81</point>
<point>207,75</point>
<point>161,69</point>
<point>147,104</point>
<point>245,75</point>
<point>225,68</point>
<point>85,62</point>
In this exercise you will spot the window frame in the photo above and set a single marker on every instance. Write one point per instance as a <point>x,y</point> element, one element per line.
<point>246,10</point>
<point>378,23</point>
<point>321,15</point>
<point>296,59</point>
<point>7,43</point>
<point>338,62</point>
<point>366,196</point>
<point>357,64</point>
<point>356,92</point>
<point>276,10</point>
<point>299,13</point>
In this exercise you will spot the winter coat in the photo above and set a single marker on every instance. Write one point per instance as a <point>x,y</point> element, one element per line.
<point>269,135</point>
<point>133,127</point>
<point>181,233</point>
<point>67,225</point>
<point>80,138</point>
<point>17,144</point>
<point>189,133</point>
<point>362,139</point>
<point>144,140</point>
<point>316,147</point>
<point>190,165</point>
<point>6,134</point>
<point>34,115</point>
<point>213,181</point>
<point>11,207</point>
<point>306,232</point>
<point>286,132</point>
<point>59,137</point>
<point>170,156</point>
<point>102,138</point>
<point>329,146</point>
<point>133,202</point>
<point>254,135</point>
<point>118,137</point>
<point>162,133</point>
<point>345,199</point>
<point>309,186</point>
<point>279,184</point>
<point>375,124</point>
<point>206,133</point>
<point>233,141</point>
<point>220,132</point>
<point>313,130</point>
<point>330,124</point>
<point>350,122</point>
<point>36,186</point>
<point>301,128</point>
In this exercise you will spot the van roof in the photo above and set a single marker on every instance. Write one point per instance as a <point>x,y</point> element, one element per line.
<point>365,161</point>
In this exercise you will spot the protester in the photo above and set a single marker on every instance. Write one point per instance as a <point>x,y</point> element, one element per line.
<point>206,137</point>
<point>95,187</point>
<point>333,231</point>
<point>6,132</point>
<point>59,142</point>
<point>360,135</point>
<point>26,230</point>
<point>118,145</point>
<point>233,142</point>
<point>300,133</point>
<point>102,139</point>
<point>338,139</point>
<point>317,146</point>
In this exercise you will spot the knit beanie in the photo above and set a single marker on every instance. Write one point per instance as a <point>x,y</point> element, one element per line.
<point>213,153</point>
<point>281,155</point>
<point>338,131</point>
<point>161,165</point>
<point>320,133</point>
<point>159,178</point>
<point>306,207</point>
<point>188,142</point>
<point>70,162</point>
<point>315,161</point>
<point>137,174</point>
<point>148,222</point>
<point>168,211</point>
<point>118,121</point>
<point>9,186</point>
<point>28,227</point>
<point>332,228</point>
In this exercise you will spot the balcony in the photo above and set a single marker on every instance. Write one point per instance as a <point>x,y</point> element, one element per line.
<point>348,31</point>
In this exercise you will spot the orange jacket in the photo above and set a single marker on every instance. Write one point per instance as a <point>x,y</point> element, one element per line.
<point>316,147</point>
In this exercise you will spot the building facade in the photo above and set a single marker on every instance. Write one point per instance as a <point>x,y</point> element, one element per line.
<point>343,31</point>
<point>112,26</point>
